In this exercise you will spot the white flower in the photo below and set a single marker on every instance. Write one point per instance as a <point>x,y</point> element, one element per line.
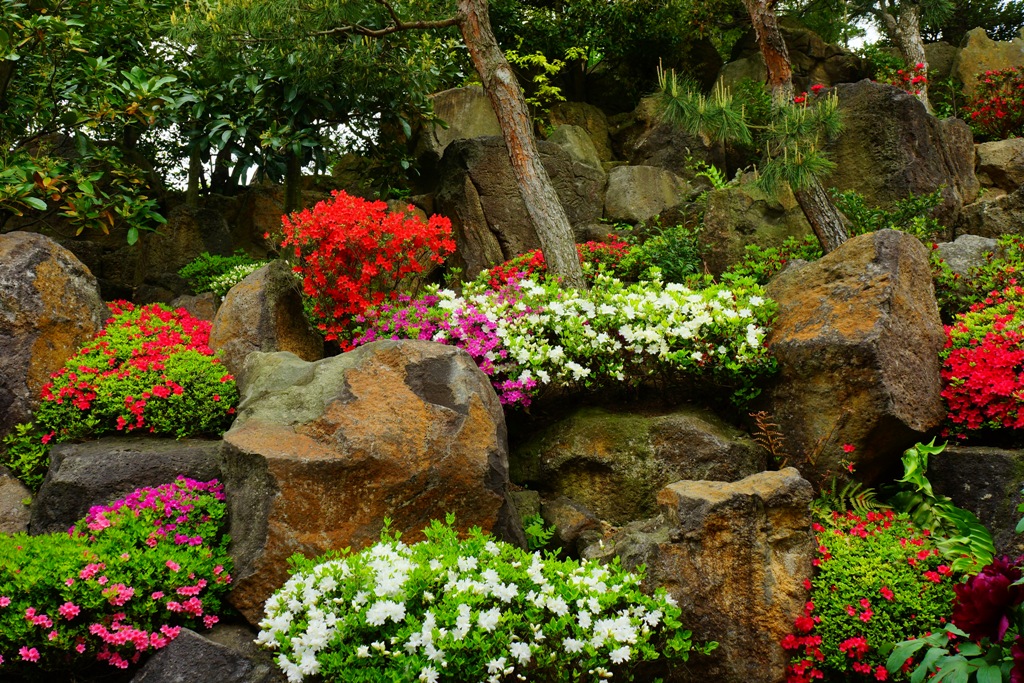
<point>362,651</point>
<point>489,620</point>
<point>572,645</point>
<point>496,666</point>
<point>558,606</point>
<point>380,612</point>
<point>756,300</point>
<point>520,651</point>
<point>428,674</point>
<point>619,656</point>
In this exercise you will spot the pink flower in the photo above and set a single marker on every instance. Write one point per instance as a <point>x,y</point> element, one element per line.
<point>886,593</point>
<point>29,654</point>
<point>4,601</point>
<point>68,610</point>
<point>173,566</point>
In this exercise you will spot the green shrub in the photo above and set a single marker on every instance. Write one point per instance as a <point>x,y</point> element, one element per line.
<point>877,579</point>
<point>911,215</point>
<point>762,263</point>
<point>957,293</point>
<point>121,584</point>
<point>672,251</point>
<point>217,274</point>
<point>464,611</point>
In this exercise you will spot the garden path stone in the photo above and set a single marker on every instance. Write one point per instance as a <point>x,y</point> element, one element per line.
<point>322,452</point>
<point>857,339</point>
<point>49,306</point>
<point>264,312</point>
<point>735,556</point>
<point>99,472</point>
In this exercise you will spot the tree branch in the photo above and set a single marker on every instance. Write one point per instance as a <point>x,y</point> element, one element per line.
<point>397,24</point>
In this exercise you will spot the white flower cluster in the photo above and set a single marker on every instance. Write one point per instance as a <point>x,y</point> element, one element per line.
<point>231,277</point>
<point>451,610</point>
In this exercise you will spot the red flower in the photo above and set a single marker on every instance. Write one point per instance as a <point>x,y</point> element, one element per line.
<point>982,603</point>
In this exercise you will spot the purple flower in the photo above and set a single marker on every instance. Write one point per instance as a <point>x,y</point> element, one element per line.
<point>983,602</point>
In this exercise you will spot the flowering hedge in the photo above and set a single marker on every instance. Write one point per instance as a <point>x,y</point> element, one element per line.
<point>352,254</point>
<point>878,578</point>
<point>122,582</point>
<point>465,611</point>
<point>983,364</point>
<point>529,334</point>
<point>997,112</point>
<point>594,257</point>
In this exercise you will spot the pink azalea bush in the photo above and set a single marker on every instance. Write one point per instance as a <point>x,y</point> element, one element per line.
<point>121,583</point>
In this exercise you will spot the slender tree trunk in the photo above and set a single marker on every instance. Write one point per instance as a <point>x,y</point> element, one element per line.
<point>905,32</point>
<point>195,172</point>
<point>292,183</point>
<point>773,49</point>
<point>7,69</point>
<point>822,214</point>
<point>542,203</point>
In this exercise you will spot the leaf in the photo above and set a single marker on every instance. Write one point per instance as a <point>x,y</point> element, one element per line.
<point>901,652</point>
<point>35,203</point>
<point>133,235</point>
<point>990,674</point>
<point>5,40</point>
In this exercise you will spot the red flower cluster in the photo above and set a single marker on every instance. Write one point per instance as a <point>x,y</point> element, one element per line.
<point>608,253</point>
<point>352,253</point>
<point>983,369</point>
<point>910,79</point>
<point>997,111</point>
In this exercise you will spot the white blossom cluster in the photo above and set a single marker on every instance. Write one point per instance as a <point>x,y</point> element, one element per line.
<point>471,611</point>
<point>231,277</point>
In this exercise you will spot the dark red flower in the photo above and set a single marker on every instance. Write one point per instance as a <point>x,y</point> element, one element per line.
<point>1017,652</point>
<point>982,603</point>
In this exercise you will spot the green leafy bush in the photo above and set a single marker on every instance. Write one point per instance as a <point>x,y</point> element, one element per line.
<point>121,584</point>
<point>956,293</point>
<point>877,578</point>
<point>762,263</point>
<point>911,215</point>
<point>464,611</point>
<point>673,251</point>
<point>217,274</point>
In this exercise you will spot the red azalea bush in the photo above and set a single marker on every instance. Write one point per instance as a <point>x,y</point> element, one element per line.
<point>593,255</point>
<point>983,364</point>
<point>352,253</point>
<point>877,579</point>
<point>121,583</point>
<point>910,79</point>
<point>997,111</point>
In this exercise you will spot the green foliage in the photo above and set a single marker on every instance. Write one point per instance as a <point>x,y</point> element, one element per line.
<point>794,141</point>
<point>542,93</point>
<point>538,534</point>
<point>911,215</point>
<point>960,662</point>
<point>849,495</point>
<point>218,274</point>
<point>762,263</point>
<point>464,610</point>
<point>716,117</point>
<point>1001,19</point>
<point>878,578</point>
<point>674,252</point>
<point>26,455</point>
<point>122,583</point>
<point>966,543</point>
<point>957,293</point>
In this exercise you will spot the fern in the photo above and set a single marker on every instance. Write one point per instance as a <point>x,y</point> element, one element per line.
<point>852,496</point>
<point>537,534</point>
<point>767,435</point>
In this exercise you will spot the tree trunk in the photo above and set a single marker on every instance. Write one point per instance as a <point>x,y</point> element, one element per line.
<point>822,214</point>
<point>195,173</point>
<point>773,49</point>
<point>542,203</point>
<point>905,32</point>
<point>292,183</point>
<point>7,68</point>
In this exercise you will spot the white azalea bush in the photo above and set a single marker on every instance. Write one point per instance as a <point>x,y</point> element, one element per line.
<point>466,611</point>
<point>529,334</point>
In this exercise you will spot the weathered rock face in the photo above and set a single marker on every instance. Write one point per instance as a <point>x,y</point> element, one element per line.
<point>589,118</point>
<point>741,215</point>
<point>980,53</point>
<point>994,217</point>
<point>98,472</point>
<point>857,339</point>
<point>614,463</point>
<point>192,657</point>
<point>644,138</point>
<point>322,452</point>
<point>966,252</point>
<point>14,514</point>
<point>49,306</point>
<point>202,306</point>
<point>576,141</point>
<point>637,194</point>
<point>941,56</point>
<point>479,194</point>
<point>263,312</point>
<point>1001,164</point>
<point>468,114</point>
<point>988,482</point>
<point>891,147</point>
<point>734,555</point>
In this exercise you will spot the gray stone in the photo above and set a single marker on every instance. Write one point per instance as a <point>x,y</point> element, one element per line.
<point>980,53</point>
<point>571,521</point>
<point>735,556</point>
<point>941,56</point>
<point>857,339</point>
<point>49,307</point>
<point>988,482</point>
<point>589,118</point>
<point>995,217</point>
<point>14,511</point>
<point>98,472</point>
<point>1001,164</point>
<point>264,312</point>
<point>614,463</point>
<point>577,143</point>
<point>891,147</point>
<point>966,252</point>
<point>637,194</point>
<point>201,306</point>
<point>644,138</point>
<point>321,453</point>
<point>466,113</point>
<point>190,658</point>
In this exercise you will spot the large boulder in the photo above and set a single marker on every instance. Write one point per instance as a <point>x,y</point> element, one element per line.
<point>891,147</point>
<point>226,655</point>
<point>589,118</point>
<point>1001,164</point>
<point>49,306</point>
<point>988,482</point>
<point>636,194</point>
<point>465,112</point>
<point>614,463</point>
<point>994,217</point>
<point>14,511</point>
<point>98,472</point>
<point>644,138</point>
<point>264,312</point>
<point>576,141</point>
<point>321,453</point>
<point>979,54</point>
<point>740,215</point>
<point>478,192</point>
<point>735,556</point>
<point>967,252</point>
<point>857,338</point>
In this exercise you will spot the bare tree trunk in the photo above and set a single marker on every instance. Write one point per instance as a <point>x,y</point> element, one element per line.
<point>195,172</point>
<point>905,32</point>
<point>542,203</point>
<point>822,214</point>
<point>773,49</point>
